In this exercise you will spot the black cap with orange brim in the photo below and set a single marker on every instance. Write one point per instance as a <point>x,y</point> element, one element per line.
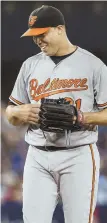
<point>42,19</point>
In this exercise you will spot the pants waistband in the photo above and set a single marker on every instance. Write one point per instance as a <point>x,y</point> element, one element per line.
<point>52,148</point>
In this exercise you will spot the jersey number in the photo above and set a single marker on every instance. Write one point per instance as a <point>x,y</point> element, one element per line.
<point>77,103</point>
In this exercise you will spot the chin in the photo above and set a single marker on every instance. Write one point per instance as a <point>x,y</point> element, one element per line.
<point>49,53</point>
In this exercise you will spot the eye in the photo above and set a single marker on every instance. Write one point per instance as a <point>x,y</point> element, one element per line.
<point>39,36</point>
<point>44,34</point>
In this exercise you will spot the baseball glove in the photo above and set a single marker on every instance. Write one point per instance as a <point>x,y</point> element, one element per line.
<point>58,115</point>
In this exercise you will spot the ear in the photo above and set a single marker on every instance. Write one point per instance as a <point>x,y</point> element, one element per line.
<point>60,29</point>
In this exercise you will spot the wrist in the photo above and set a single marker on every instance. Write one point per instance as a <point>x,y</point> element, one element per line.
<point>89,117</point>
<point>85,121</point>
<point>86,117</point>
<point>12,113</point>
<point>80,118</point>
<point>16,112</point>
<point>95,118</point>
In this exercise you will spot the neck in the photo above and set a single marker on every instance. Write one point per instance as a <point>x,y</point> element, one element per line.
<point>66,47</point>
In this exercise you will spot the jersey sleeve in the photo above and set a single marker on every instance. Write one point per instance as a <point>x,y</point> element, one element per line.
<point>100,87</point>
<point>19,93</point>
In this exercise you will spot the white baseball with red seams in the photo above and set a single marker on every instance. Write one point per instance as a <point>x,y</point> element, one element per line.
<point>82,79</point>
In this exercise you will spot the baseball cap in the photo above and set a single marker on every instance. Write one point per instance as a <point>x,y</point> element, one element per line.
<point>43,18</point>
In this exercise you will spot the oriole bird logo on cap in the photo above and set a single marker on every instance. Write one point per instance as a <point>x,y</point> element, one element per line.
<point>32,20</point>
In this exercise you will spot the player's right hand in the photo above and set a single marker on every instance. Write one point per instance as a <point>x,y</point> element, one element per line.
<point>27,114</point>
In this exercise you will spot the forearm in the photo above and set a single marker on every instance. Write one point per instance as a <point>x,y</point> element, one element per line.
<point>11,115</point>
<point>96,118</point>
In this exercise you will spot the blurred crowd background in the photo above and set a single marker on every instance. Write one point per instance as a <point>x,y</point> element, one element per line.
<point>87,28</point>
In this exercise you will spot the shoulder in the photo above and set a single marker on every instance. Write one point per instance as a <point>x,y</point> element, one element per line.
<point>95,62</point>
<point>34,58</point>
<point>85,52</point>
<point>30,63</point>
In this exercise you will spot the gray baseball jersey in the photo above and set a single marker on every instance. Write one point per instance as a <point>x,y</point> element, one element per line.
<point>80,78</point>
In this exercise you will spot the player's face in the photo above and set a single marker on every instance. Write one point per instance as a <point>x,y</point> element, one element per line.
<point>49,42</point>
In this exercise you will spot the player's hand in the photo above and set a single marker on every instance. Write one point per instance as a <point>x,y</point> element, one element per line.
<point>27,114</point>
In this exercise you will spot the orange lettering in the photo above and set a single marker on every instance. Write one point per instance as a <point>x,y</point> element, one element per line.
<point>61,84</point>
<point>83,83</point>
<point>40,89</point>
<point>33,86</point>
<point>70,100</point>
<point>54,84</point>
<point>77,83</point>
<point>78,104</point>
<point>71,82</point>
<point>57,86</point>
<point>47,82</point>
<point>32,20</point>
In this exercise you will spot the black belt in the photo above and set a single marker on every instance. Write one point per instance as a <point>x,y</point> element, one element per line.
<point>52,148</point>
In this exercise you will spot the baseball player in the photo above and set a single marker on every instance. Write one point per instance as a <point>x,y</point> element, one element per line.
<point>59,164</point>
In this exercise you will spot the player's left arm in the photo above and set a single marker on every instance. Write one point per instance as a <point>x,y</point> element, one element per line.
<point>100,96</point>
<point>96,118</point>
